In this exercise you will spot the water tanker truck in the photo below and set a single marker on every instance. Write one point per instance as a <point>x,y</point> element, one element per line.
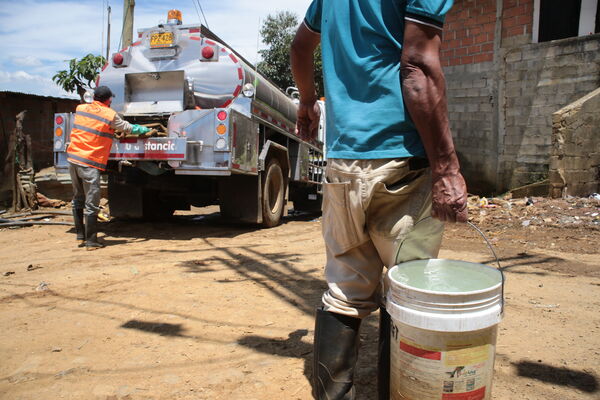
<point>229,133</point>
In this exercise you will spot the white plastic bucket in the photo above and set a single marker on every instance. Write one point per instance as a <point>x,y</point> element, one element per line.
<point>444,317</point>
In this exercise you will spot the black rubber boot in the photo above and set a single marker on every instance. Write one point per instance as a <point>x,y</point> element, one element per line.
<point>335,354</point>
<point>383,355</point>
<point>79,227</point>
<point>91,233</point>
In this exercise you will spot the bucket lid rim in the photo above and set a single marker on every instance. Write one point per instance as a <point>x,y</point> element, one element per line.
<point>456,294</point>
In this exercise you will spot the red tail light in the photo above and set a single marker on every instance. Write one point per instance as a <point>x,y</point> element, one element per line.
<point>208,52</point>
<point>59,120</point>
<point>222,115</point>
<point>118,59</point>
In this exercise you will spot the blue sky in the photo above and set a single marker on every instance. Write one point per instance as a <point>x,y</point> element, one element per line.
<point>38,37</point>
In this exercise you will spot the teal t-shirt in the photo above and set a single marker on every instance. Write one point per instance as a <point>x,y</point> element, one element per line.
<point>361,43</point>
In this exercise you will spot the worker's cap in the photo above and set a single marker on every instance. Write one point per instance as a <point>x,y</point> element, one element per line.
<point>103,93</point>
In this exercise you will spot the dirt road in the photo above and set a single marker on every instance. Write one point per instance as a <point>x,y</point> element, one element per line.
<point>195,308</point>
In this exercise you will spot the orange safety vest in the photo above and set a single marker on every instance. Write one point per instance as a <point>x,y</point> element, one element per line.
<point>91,136</point>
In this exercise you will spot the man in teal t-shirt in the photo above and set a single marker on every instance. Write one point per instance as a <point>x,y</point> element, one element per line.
<point>392,176</point>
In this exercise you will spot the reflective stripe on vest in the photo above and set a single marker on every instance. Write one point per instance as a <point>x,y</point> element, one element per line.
<point>90,130</point>
<point>81,160</point>
<point>93,116</point>
<point>91,136</point>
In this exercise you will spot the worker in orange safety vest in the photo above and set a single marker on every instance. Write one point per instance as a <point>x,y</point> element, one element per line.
<point>90,142</point>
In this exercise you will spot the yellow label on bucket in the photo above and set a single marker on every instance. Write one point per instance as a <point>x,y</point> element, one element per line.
<point>471,355</point>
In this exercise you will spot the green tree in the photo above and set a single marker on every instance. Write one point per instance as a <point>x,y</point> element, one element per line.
<point>81,74</point>
<point>278,32</point>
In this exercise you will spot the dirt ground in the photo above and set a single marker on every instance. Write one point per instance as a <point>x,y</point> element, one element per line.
<point>197,308</point>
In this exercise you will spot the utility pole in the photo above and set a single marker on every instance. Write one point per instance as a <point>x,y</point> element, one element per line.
<point>127,37</point>
<point>108,35</point>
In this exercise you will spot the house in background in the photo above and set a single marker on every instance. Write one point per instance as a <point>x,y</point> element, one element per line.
<point>509,65</point>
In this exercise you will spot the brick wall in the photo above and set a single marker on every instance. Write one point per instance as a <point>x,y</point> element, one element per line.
<point>575,161</point>
<point>469,33</point>
<point>502,90</point>
<point>517,18</point>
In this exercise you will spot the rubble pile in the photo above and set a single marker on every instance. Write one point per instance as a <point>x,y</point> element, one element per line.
<point>536,211</point>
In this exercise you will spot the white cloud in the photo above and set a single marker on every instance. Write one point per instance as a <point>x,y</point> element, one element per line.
<point>28,61</point>
<point>39,36</point>
<point>24,82</point>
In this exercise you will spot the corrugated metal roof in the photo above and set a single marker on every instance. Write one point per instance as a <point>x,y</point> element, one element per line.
<point>9,93</point>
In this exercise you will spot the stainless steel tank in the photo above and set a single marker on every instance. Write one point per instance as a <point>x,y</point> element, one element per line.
<point>153,78</point>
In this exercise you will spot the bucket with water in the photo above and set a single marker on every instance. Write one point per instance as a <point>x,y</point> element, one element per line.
<point>444,320</point>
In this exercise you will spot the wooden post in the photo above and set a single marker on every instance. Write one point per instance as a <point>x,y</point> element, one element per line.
<point>20,158</point>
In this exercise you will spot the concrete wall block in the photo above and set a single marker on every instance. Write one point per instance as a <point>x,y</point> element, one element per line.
<point>547,90</point>
<point>513,56</point>
<point>472,107</point>
<point>576,177</point>
<point>582,189</point>
<point>556,162</point>
<point>514,91</point>
<point>570,48</point>
<point>577,164</point>
<point>592,46</point>
<point>472,92</point>
<point>530,139</point>
<point>588,69</point>
<point>485,106</point>
<point>513,76</point>
<point>554,176</point>
<point>513,85</point>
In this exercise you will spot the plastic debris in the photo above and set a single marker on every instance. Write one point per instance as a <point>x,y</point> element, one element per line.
<point>42,286</point>
<point>526,222</point>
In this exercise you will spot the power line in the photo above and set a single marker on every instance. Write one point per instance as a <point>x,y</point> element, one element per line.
<point>102,41</point>
<point>202,11</point>
<point>197,12</point>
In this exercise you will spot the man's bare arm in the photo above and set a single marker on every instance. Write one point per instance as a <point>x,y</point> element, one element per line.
<point>302,60</point>
<point>424,91</point>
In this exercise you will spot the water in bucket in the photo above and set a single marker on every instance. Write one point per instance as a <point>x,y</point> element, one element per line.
<point>443,330</point>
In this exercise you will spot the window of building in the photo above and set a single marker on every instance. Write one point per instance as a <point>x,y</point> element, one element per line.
<point>559,19</point>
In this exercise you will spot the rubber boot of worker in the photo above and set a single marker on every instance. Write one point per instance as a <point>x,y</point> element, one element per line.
<point>335,354</point>
<point>91,233</point>
<point>383,355</point>
<point>79,227</point>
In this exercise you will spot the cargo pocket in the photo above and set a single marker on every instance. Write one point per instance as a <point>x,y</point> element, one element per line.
<point>396,206</point>
<point>339,228</point>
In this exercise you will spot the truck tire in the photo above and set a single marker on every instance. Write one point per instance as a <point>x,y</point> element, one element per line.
<point>273,189</point>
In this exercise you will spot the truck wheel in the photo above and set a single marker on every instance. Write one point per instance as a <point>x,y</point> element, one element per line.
<point>273,188</point>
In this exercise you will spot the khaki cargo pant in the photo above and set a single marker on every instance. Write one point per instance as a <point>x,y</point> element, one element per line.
<point>370,208</point>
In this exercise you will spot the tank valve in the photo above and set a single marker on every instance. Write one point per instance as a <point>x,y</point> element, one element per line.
<point>124,163</point>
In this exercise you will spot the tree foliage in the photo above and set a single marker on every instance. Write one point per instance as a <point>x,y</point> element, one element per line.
<point>278,32</point>
<point>80,75</point>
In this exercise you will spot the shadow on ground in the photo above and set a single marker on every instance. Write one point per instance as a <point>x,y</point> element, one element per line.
<point>580,380</point>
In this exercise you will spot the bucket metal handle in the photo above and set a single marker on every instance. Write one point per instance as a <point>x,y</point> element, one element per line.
<point>472,225</point>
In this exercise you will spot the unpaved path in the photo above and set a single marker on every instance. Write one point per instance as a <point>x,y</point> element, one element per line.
<point>196,308</point>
